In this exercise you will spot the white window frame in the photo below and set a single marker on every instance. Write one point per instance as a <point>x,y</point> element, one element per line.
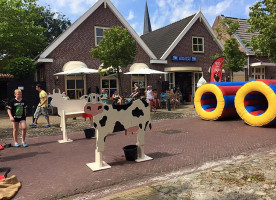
<point>258,75</point>
<point>194,37</point>
<point>96,36</point>
<point>172,80</point>
<point>109,78</point>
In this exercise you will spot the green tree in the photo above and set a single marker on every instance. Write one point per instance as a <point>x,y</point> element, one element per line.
<point>21,67</point>
<point>234,58</point>
<point>53,22</point>
<point>263,21</point>
<point>117,49</point>
<point>19,36</point>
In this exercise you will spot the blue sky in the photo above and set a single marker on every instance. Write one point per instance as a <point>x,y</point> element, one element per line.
<point>162,12</point>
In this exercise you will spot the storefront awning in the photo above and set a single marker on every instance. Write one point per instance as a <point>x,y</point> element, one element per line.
<point>183,69</point>
<point>258,64</point>
<point>73,65</point>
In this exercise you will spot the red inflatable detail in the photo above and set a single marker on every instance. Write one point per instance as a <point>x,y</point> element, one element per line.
<point>229,112</point>
<point>268,82</point>
<point>208,101</point>
<point>229,90</point>
<point>251,102</point>
<point>255,113</point>
<point>210,109</point>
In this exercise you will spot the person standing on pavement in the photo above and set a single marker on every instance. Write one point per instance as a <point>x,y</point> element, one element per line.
<point>17,111</point>
<point>149,94</point>
<point>42,107</point>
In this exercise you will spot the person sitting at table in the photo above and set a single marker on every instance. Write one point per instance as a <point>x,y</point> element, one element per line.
<point>163,99</point>
<point>136,92</point>
<point>117,99</point>
<point>175,99</point>
<point>105,97</point>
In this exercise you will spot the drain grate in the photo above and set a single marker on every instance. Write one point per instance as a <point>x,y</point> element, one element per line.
<point>170,132</point>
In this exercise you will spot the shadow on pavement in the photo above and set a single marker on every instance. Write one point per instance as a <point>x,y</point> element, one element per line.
<point>43,143</point>
<point>160,155</point>
<point>22,156</point>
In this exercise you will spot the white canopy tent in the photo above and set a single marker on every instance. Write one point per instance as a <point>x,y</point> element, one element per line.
<point>142,68</point>
<point>76,67</point>
<point>146,71</point>
<point>80,70</point>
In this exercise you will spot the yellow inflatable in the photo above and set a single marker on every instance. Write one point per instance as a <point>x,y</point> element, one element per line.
<point>255,102</point>
<point>215,101</point>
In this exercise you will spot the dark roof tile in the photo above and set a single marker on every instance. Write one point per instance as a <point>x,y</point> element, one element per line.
<point>242,31</point>
<point>161,39</point>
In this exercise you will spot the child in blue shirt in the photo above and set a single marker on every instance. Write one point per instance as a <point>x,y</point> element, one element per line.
<point>163,98</point>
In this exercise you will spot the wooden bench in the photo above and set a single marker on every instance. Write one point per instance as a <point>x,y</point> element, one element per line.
<point>64,116</point>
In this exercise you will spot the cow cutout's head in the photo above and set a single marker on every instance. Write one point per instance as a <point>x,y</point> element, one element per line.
<point>57,97</point>
<point>94,105</point>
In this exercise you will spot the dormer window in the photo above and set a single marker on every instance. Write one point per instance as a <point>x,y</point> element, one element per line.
<point>198,44</point>
<point>99,34</point>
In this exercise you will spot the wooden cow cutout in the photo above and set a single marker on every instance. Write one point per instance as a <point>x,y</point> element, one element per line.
<point>132,117</point>
<point>67,109</point>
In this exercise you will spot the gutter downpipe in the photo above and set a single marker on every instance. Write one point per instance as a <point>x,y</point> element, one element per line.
<point>248,69</point>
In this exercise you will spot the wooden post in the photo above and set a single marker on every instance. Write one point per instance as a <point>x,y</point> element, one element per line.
<point>63,124</point>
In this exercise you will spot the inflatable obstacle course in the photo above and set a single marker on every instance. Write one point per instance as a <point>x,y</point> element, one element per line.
<point>215,101</point>
<point>255,102</point>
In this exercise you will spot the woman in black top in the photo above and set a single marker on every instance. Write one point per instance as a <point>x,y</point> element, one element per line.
<point>17,110</point>
<point>136,92</point>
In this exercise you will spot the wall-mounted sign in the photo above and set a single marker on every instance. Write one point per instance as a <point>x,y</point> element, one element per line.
<point>184,58</point>
<point>21,87</point>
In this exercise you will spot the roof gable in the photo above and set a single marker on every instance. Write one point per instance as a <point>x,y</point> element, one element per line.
<point>162,41</point>
<point>79,21</point>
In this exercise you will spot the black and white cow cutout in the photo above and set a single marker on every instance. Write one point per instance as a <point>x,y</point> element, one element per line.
<point>132,117</point>
<point>67,109</point>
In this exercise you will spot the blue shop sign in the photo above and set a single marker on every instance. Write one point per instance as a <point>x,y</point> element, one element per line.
<point>174,58</point>
<point>184,58</point>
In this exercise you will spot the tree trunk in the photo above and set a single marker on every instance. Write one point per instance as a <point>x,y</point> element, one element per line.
<point>119,82</point>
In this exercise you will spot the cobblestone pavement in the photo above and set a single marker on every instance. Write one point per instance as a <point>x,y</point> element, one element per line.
<point>250,177</point>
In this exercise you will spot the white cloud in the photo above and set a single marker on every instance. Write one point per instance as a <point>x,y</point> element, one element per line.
<point>130,15</point>
<point>218,9</point>
<point>138,27</point>
<point>74,7</point>
<point>247,10</point>
<point>211,12</point>
<point>170,11</point>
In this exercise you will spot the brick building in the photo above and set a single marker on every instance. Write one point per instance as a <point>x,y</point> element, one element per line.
<point>256,67</point>
<point>182,49</point>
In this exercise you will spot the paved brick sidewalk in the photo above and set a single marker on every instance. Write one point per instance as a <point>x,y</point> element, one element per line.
<point>50,170</point>
<point>215,183</point>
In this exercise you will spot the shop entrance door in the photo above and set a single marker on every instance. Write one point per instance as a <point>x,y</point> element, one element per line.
<point>183,82</point>
<point>196,77</point>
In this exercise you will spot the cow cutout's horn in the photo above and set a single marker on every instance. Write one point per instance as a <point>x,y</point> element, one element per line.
<point>54,91</point>
<point>59,91</point>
